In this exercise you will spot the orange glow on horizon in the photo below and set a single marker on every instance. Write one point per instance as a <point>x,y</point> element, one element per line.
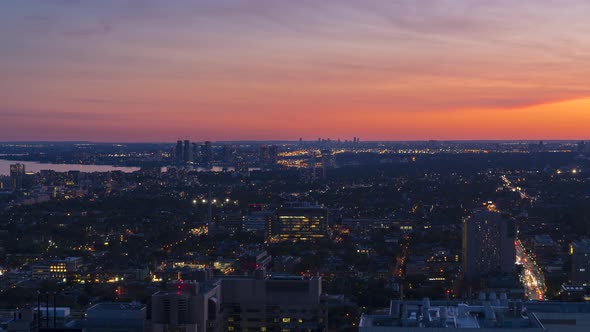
<point>128,71</point>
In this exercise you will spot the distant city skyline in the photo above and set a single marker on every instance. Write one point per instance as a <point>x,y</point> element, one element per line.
<point>230,70</point>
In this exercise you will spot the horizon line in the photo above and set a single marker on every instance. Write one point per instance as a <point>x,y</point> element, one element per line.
<point>297,141</point>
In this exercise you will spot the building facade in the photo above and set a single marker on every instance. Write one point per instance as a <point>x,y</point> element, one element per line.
<point>259,303</point>
<point>185,307</point>
<point>580,252</point>
<point>488,245</point>
<point>301,223</point>
<point>17,176</point>
<point>274,304</point>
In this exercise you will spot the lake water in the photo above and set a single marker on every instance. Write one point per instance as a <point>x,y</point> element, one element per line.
<point>33,166</point>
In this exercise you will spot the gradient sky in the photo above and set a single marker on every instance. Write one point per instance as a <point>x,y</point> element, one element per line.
<point>151,70</point>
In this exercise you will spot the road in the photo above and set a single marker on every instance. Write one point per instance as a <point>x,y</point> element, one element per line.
<point>517,189</point>
<point>532,277</point>
<point>401,259</point>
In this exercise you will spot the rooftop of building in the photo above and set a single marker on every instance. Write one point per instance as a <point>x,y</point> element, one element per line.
<point>581,245</point>
<point>133,306</point>
<point>188,287</point>
<point>559,307</point>
<point>301,208</point>
<point>491,313</point>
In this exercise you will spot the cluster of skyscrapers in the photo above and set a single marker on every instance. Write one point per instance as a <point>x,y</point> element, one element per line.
<point>188,153</point>
<point>17,176</point>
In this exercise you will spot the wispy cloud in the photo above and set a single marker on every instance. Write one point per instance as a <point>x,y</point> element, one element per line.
<point>207,61</point>
<point>10,114</point>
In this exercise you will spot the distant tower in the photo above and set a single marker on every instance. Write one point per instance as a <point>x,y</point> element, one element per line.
<point>195,148</point>
<point>227,154</point>
<point>327,159</point>
<point>488,245</point>
<point>187,154</point>
<point>17,175</point>
<point>242,166</point>
<point>207,154</point>
<point>273,155</point>
<point>583,146</point>
<point>314,169</point>
<point>263,156</point>
<point>179,152</point>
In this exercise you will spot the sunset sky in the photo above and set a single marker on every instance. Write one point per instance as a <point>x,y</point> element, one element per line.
<point>151,70</point>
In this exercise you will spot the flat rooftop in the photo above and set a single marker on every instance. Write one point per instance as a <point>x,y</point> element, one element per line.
<point>486,315</point>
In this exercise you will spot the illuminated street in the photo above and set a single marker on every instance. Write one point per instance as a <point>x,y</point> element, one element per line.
<point>518,189</point>
<point>532,277</point>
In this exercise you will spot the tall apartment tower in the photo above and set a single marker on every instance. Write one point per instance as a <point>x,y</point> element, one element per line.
<point>273,155</point>
<point>17,176</point>
<point>196,152</point>
<point>206,153</point>
<point>488,245</point>
<point>242,166</point>
<point>179,152</point>
<point>187,152</point>
<point>227,154</point>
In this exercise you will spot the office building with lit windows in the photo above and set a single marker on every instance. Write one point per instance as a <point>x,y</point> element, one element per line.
<point>54,270</point>
<point>301,223</point>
